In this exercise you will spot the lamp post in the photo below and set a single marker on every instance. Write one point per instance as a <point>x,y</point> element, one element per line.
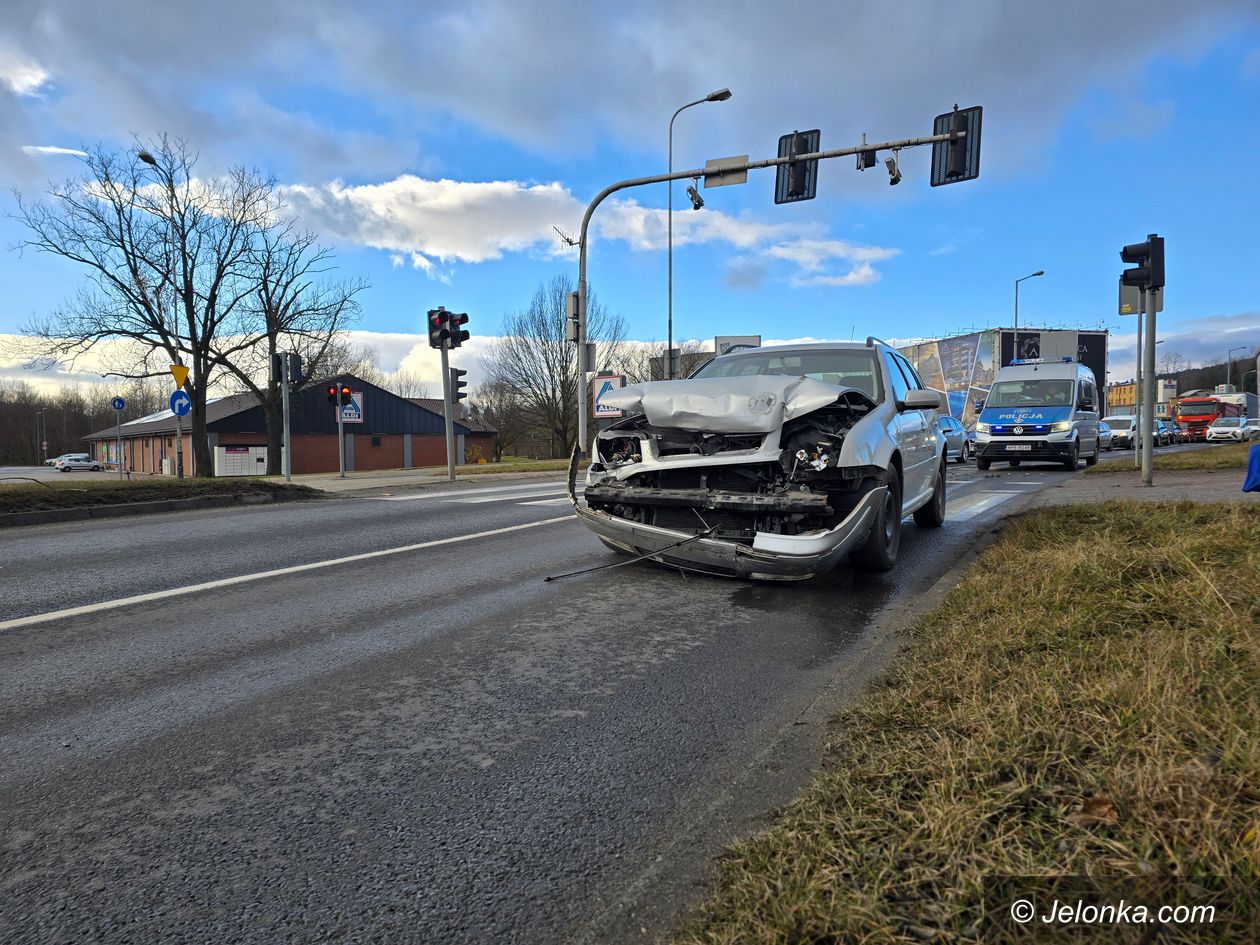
<point>1229,361</point>
<point>721,95</point>
<point>1039,272</point>
<point>149,159</point>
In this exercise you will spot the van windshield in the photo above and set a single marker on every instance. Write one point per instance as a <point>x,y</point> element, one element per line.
<point>1031,393</point>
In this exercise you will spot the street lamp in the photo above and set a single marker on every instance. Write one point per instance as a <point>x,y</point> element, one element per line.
<point>721,95</point>
<point>1039,272</point>
<point>149,159</point>
<point>1229,361</point>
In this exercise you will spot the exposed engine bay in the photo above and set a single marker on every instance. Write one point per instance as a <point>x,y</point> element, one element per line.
<point>785,478</point>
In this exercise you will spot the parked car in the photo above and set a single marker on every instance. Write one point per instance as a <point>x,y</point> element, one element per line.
<point>1104,436</point>
<point>772,463</point>
<point>957,442</point>
<point>1228,430</point>
<point>72,461</point>
<point>53,460</point>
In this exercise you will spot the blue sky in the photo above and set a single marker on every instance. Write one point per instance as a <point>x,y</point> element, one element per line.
<point>436,149</point>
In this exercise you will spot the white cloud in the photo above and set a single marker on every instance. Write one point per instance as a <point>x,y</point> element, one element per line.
<point>23,76</point>
<point>51,149</point>
<point>426,222</point>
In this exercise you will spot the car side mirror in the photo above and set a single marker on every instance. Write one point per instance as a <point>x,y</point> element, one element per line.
<point>920,400</point>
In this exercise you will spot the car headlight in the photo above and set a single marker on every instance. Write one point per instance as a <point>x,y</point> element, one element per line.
<point>1062,426</point>
<point>982,428</point>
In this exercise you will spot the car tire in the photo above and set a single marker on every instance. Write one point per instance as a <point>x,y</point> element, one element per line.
<point>983,463</point>
<point>96,469</point>
<point>1074,458</point>
<point>1093,460</point>
<point>962,453</point>
<point>932,515</point>
<point>879,551</point>
<point>1013,463</point>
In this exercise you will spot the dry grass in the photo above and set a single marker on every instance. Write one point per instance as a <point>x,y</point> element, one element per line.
<point>1213,456</point>
<point>28,496</point>
<point>1098,657</point>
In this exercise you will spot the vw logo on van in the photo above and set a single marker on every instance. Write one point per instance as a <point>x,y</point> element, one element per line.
<point>1018,431</point>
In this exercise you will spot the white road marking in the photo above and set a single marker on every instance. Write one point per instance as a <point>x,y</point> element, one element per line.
<point>261,576</point>
<point>532,494</point>
<point>563,500</point>
<point>976,505</point>
<point>458,493</point>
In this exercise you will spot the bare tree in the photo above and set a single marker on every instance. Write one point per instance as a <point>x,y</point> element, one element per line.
<point>533,357</point>
<point>502,407</point>
<point>167,257</point>
<point>406,383</point>
<point>1172,362</point>
<point>291,306</point>
<point>646,361</point>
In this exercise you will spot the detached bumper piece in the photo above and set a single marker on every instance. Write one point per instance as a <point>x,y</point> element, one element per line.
<point>762,555</point>
<point>1040,449</point>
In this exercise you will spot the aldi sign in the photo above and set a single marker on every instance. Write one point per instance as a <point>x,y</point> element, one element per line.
<point>602,387</point>
<point>353,411</point>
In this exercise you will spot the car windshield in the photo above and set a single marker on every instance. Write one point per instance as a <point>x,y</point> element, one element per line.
<point>1047,393</point>
<point>1120,423</point>
<point>848,367</point>
<point>1228,422</point>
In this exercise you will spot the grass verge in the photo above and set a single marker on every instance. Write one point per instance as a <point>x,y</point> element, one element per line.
<point>1085,701</point>
<point>525,465</point>
<point>30,497</point>
<point>1222,456</point>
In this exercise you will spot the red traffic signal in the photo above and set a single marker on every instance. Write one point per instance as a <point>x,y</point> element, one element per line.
<point>332,394</point>
<point>439,327</point>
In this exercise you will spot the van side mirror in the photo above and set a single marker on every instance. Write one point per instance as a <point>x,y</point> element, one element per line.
<point>921,400</point>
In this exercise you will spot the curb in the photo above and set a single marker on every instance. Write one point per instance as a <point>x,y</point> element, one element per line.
<point>122,510</point>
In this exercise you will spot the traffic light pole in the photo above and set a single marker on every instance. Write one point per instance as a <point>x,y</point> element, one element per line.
<point>341,442</point>
<point>286,446</point>
<point>1138,368</point>
<point>1148,392</point>
<point>583,407</point>
<point>449,411</point>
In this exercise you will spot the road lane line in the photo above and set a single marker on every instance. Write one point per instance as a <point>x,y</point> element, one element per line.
<point>532,494</point>
<point>977,505</point>
<point>261,575</point>
<point>457,493</point>
<point>558,501</point>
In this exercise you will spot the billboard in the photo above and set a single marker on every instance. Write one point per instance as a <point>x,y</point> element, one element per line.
<point>962,367</point>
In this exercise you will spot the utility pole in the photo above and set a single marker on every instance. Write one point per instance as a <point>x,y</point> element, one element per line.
<point>1148,392</point>
<point>1138,401</point>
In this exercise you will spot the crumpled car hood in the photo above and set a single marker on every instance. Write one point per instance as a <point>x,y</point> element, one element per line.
<point>757,404</point>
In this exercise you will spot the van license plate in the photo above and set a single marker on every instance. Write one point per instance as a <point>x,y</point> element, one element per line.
<point>1019,446</point>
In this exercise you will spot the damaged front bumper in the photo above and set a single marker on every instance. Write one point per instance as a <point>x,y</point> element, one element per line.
<point>771,557</point>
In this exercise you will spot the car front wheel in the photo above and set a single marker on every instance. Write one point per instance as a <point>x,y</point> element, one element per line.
<point>879,551</point>
<point>1070,462</point>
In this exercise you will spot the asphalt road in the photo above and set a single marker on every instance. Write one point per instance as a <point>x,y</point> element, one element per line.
<point>428,744</point>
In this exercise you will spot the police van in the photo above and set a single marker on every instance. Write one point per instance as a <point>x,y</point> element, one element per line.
<point>1040,409</point>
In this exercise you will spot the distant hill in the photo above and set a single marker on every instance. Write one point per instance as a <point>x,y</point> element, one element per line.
<point>1210,375</point>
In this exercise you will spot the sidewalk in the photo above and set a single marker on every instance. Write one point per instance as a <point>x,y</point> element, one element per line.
<point>1216,485</point>
<point>402,480</point>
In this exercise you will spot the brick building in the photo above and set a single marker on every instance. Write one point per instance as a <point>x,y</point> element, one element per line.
<point>391,432</point>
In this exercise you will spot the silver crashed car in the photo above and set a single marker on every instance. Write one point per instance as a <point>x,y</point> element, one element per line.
<point>772,463</point>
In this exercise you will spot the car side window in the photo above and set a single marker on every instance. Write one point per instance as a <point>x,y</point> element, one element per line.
<point>900,385</point>
<point>912,376</point>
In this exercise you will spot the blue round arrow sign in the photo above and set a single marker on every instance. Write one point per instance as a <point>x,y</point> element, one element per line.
<point>181,403</point>
<point>118,403</point>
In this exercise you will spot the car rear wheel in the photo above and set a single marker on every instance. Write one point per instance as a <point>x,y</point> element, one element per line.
<point>879,551</point>
<point>96,469</point>
<point>964,454</point>
<point>932,515</point>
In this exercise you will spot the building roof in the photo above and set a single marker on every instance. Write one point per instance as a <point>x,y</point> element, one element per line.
<point>164,422</point>
<point>462,413</point>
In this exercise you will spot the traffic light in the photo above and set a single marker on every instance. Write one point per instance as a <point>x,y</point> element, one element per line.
<point>957,159</point>
<point>797,180</point>
<point>1149,257</point>
<point>457,385</point>
<point>454,321</point>
<point>439,327</point>
<point>347,398</point>
<point>332,394</point>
